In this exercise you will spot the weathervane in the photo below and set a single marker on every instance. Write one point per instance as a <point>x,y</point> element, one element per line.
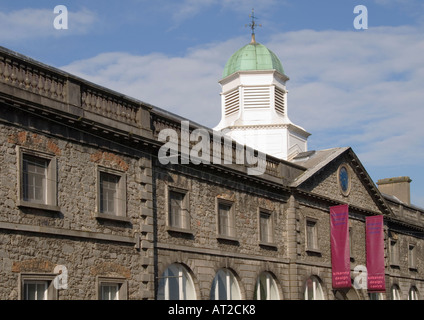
<point>253,25</point>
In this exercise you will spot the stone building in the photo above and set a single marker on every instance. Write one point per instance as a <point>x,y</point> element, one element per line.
<point>91,211</point>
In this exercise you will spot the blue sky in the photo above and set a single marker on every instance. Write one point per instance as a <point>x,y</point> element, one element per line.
<point>348,87</point>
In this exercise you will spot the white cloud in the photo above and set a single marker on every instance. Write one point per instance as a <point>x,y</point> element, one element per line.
<point>348,88</point>
<point>188,8</point>
<point>358,88</point>
<point>38,23</point>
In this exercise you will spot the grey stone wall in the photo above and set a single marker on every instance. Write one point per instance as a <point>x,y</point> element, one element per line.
<point>84,260</point>
<point>203,254</point>
<point>35,241</point>
<point>203,195</point>
<point>400,273</point>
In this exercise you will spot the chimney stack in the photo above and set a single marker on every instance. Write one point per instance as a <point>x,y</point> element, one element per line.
<point>398,187</point>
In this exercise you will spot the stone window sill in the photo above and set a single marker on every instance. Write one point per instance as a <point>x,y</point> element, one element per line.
<point>224,238</point>
<point>268,245</point>
<point>39,206</point>
<point>111,217</point>
<point>313,251</point>
<point>180,230</point>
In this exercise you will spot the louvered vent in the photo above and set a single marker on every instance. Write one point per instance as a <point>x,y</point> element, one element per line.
<point>256,97</point>
<point>232,102</point>
<point>279,101</point>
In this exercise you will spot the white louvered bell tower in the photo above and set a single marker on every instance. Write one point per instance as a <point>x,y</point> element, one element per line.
<point>254,103</point>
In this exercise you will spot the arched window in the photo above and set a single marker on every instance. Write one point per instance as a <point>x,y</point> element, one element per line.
<point>225,286</point>
<point>413,294</point>
<point>313,289</point>
<point>395,292</point>
<point>266,288</point>
<point>176,284</point>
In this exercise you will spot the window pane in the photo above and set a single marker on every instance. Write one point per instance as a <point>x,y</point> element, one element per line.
<point>188,286</point>
<point>110,291</point>
<point>413,294</point>
<point>273,292</point>
<point>311,234</point>
<point>262,287</point>
<point>30,291</point>
<point>218,289</point>
<point>34,179</point>
<point>35,290</point>
<point>41,291</point>
<point>319,294</point>
<point>224,219</point>
<point>265,225</point>
<point>313,289</point>
<point>309,290</point>
<point>222,286</point>
<point>225,286</point>
<point>176,284</point>
<point>412,256</point>
<point>176,217</point>
<point>394,251</point>
<point>266,288</point>
<point>173,283</point>
<point>108,193</point>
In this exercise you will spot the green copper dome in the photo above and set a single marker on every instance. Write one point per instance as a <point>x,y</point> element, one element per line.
<point>253,56</point>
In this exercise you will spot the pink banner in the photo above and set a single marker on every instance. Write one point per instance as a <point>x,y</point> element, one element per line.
<point>340,252</point>
<point>375,254</point>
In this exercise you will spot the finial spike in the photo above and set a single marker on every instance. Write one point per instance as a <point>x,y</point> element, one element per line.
<point>253,25</point>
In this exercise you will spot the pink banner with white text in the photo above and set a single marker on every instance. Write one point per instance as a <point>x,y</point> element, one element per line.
<point>375,254</point>
<point>340,252</point>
